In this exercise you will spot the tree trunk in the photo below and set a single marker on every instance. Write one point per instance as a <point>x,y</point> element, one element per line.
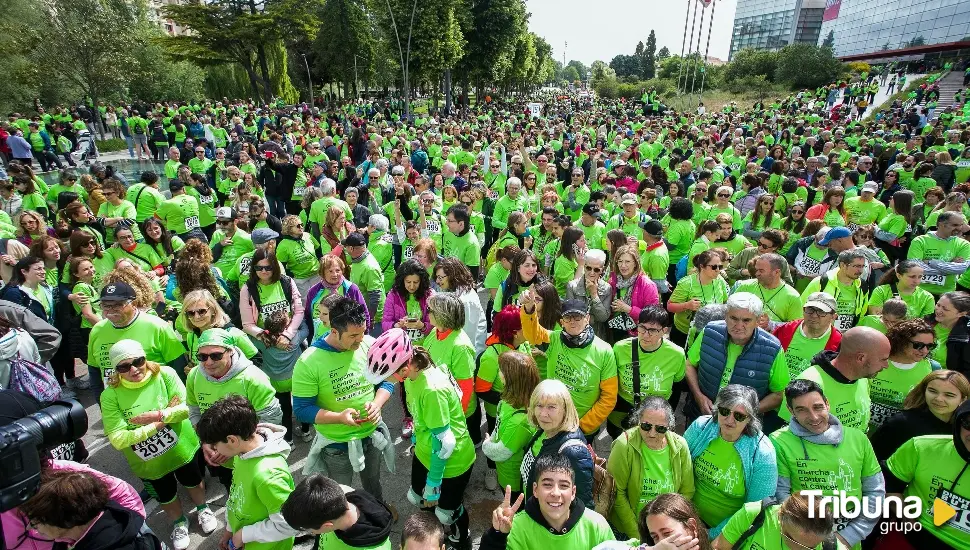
<point>248,67</point>
<point>264,69</point>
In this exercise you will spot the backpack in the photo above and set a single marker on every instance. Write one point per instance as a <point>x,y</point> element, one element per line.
<point>34,380</point>
<point>828,544</point>
<point>681,270</point>
<point>138,128</point>
<point>604,486</point>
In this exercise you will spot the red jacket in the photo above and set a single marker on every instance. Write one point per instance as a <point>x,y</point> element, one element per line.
<point>784,333</point>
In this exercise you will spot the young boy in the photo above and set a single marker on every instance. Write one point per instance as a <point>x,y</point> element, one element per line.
<point>261,480</point>
<point>343,516</point>
<point>423,531</point>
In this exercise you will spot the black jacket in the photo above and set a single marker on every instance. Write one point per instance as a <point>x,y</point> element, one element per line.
<point>902,427</point>
<point>496,540</point>
<point>17,296</point>
<point>373,522</point>
<point>117,529</point>
<point>957,345</point>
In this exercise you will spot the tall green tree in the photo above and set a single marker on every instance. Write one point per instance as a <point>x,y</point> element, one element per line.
<point>829,41</point>
<point>626,65</point>
<point>807,66</point>
<point>347,43</point>
<point>664,53</point>
<point>491,29</point>
<point>582,71</point>
<point>649,58</point>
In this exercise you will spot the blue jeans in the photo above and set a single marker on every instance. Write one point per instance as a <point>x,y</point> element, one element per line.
<point>131,146</point>
<point>277,206</point>
<point>95,380</point>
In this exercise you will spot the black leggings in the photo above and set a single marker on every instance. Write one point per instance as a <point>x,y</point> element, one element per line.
<point>452,497</point>
<point>490,424</point>
<point>474,424</point>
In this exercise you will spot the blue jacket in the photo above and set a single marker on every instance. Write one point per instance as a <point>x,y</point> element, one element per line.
<point>752,367</point>
<point>758,460</point>
<point>579,458</point>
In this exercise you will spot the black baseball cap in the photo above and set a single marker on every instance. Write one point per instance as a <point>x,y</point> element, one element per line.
<point>117,292</point>
<point>355,239</point>
<point>574,307</point>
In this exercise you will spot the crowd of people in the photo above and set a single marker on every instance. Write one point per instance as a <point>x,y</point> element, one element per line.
<point>796,289</point>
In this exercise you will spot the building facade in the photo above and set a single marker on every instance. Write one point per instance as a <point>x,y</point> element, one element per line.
<point>773,24</point>
<point>861,27</point>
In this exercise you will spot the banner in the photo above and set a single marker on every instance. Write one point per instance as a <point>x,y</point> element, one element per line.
<point>831,10</point>
<point>535,109</point>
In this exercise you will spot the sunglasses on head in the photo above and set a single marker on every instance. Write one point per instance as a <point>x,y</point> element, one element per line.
<point>203,357</point>
<point>126,367</point>
<point>726,412</point>
<point>922,345</point>
<point>646,426</point>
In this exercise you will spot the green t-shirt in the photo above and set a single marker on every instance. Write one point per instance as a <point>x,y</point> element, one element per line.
<point>207,205</point>
<point>434,400</point>
<point>782,304</point>
<point>299,256</point>
<point>165,450</point>
<point>680,237</point>
<point>179,214</point>
<point>777,375</point>
<point>496,274</point>
<point>513,430</point>
<point>860,212</point>
<point>563,271</point>
<point>336,380</point>
<point>895,224</point>
<point>594,234</point>
<point>271,299</point>
<point>931,247</point>
<point>580,369</point>
<point>849,403</point>
<point>250,382</point>
<point>802,349</point>
<point>260,486</point>
<point>689,288</point>
<point>527,534</point>
<point>767,537</point>
<point>658,369</point>
<point>656,478</point>
<point>455,354</point>
<point>850,300</point>
<point>159,339</point>
<point>146,200</point>
<point>823,467</point>
<point>488,371</point>
<point>888,389</point>
<point>242,244</point>
<point>719,482</point>
<point>143,256</point>
<point>94,300</point>
<point>465,248</point>
<point>933,469</point>
<point>919,303</point>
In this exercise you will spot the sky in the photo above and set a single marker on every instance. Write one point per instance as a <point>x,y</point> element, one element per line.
<point>602,29</point>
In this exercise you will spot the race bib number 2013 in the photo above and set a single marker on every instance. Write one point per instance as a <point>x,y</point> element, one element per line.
<point>156,445</point>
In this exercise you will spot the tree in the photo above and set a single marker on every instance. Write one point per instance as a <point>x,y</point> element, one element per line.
<point>156,77</point>
<point>639,49</point>
<point>664,53</point>
<point>829,41</point>
<point>346,45</point>
<point>600,70</point>
<point>917,41</point>
<point>649,61</point>
<point>807,66</point>
<point>749,62</point>
<point>581,69</point>
<point>570,74</point>
<point>87,42</point>
<point>626,65</point>
<point>491,29</point>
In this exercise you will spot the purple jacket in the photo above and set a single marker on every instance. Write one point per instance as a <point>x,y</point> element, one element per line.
<point>644,294</point>
<point>314,295</point>
<point>395,309</point>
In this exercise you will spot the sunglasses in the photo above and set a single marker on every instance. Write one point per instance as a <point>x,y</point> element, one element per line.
<point>203,357</point>
<point>797,211</point>
<point>646,426</point>
<point>965,422</point>
<point>126,367</point>
<point>197,312</point>
<point>594,269</point>
<point>263,268</point>
<point>920,345</point>
<point>724,195</point>
<point>726,412</point>
<point>765,246</point>
<point>717,267</point>
<point>221,222</point>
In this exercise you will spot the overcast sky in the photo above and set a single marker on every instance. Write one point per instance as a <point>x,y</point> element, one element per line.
<point>601,29</point>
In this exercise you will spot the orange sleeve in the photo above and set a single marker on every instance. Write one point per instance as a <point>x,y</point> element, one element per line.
<point>595,417</point>
<point>482,386</point>
<point>534,332</point>
<point>467,392</point>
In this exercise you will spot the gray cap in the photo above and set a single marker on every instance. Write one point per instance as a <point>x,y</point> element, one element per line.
<point>264,235</point>
<point>822,301</point>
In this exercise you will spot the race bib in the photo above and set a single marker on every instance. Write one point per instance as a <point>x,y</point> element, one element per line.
<point>844,321</point>
<point>939,280</point>
<point>191,222</point>
<point>414,334</point>
<point>621,322</point>
<point>156,445</point>
<point>107,374</point>
<point>299,191</point>
<point>809,266</point>
<point>434,226</point>
<point>961,520</point>
<point>206,199</point>
<point>408,251</point>
<point>269,309</point>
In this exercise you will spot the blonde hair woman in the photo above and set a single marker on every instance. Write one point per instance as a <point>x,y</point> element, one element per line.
<point>552,411</point>
<point>200,312</point>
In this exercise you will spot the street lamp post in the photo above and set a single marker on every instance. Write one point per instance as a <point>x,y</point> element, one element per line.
<point>309,79</point>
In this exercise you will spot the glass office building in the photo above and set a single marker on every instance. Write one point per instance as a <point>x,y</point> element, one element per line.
<point>869,26</point>
<point>773,24</point>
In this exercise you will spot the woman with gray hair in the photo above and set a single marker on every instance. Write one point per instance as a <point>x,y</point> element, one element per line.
<point>734,462</point>
<point>646,461</point>
<point>453,351</point>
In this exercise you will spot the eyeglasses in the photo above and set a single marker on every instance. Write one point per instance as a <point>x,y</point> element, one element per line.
<point>765,246</point>
<point>197,312</point>
<point>717,267</point>
<point>126,367</point>
<point>594,269</point>
<point>965,422</point>
<point>203,357</point>
<point>726,412</point>
<point>263,268</point>
<point>649,330</point>
<point>113,305</point>
<point>814,312</point>
<point>922,345</point>
<point>646,426</point>
<point>197,152</point>
<point>797,211</point>
<point>724,195</point>
<point>223,222</point>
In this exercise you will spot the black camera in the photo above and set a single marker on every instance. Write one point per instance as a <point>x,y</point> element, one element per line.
<point>23,441</point>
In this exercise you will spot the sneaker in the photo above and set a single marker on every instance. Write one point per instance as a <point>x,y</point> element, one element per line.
<point>306,435</point>
<point>180,536</point>
<point>207,520</point>
<point>491,479</point>
<point>67,393</point>
<point>408,428</point>
<point>78,383</point>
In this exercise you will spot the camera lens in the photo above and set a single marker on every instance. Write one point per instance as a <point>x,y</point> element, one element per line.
<point>61,422</point>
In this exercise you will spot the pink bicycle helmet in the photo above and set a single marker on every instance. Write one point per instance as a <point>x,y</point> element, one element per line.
<point>389,352</point>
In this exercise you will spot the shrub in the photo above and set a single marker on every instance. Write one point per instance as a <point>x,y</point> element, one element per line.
<point>111,145</point>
